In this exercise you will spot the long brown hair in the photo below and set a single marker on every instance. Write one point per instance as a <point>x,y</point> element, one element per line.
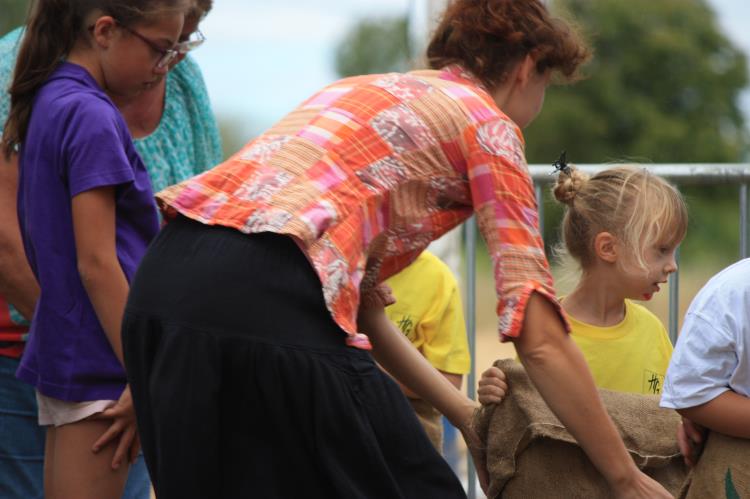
<point>52,28</point>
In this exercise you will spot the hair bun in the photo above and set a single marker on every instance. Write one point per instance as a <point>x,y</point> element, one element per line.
<point>568,184</point>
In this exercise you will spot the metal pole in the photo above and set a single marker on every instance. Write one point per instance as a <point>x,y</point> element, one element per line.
<point>744,250</point>
<point>674,301</point>
<point>471,277</point>
<point>540,206</point>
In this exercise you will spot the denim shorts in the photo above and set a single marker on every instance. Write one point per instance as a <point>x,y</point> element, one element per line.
<point>21,437</point>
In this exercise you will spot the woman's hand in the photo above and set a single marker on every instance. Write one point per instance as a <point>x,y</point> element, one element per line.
<point>372,305</point>
<point>123,426</point>
<point>377,298</point>
<point>492,386</point>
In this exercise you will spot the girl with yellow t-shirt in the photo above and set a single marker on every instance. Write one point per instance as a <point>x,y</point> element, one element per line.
<point>622,226</point>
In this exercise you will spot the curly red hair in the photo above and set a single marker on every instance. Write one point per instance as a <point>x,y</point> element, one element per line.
<point>487,37</point>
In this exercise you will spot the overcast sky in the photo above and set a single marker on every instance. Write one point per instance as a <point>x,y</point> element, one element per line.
<point>262,58</point>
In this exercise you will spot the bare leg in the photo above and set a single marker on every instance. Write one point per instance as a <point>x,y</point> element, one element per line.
<point>72,471</point>
<point>49,462</point>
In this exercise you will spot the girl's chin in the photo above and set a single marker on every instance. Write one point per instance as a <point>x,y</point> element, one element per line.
<point>647,296</point>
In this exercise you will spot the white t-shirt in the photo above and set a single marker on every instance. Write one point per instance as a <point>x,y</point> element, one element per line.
<point>712,354</point>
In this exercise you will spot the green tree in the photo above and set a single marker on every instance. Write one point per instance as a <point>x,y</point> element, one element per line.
<point>663,86</point>
<point>377,46</point>
<point>13,14</point>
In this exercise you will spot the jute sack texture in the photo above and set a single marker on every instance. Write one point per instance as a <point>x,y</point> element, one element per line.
<point>530,454</point>
<point>723,470</point>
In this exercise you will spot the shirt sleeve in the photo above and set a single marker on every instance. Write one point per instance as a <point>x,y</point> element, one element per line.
<point>701,366</point>
<point>446,345</point>
<point>505,207</point>
<point>94,148</point>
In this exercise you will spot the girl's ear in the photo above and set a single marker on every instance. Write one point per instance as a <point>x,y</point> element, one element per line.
<point>605,247</point>
<point>104,30</point>
<point>526,68</point>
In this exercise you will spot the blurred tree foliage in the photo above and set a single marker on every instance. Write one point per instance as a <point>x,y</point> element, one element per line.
<point>663,86</point>
<point>374,46</point>
<point>12,14</point>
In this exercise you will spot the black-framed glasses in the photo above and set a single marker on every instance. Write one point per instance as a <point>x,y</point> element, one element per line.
<point>167,55</point>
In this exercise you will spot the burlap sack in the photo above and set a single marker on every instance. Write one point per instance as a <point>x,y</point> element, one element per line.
<point>723,470</point>
<point>530,453</point>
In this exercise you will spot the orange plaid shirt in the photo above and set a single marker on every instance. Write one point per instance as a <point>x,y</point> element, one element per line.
<point>370,170</point>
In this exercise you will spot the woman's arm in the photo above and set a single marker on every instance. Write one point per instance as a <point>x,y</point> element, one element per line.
<point>729,413</point>
<point>17,282</point>
<point>558,370</point>
<point>98,266</point>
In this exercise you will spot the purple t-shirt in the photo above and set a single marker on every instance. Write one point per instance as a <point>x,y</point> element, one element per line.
<point>76,141</point>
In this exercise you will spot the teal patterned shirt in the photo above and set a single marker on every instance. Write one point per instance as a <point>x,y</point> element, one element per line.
<point>186,142</point>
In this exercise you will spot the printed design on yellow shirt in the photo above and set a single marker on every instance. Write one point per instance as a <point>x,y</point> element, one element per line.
<point>405,325</point>
<point>652,382</point>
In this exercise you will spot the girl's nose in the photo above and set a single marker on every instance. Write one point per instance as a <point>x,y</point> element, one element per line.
<point>671,265</point>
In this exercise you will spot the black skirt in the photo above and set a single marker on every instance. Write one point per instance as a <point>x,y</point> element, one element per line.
<point>244,387</point>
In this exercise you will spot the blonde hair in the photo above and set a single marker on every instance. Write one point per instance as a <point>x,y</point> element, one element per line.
<point>634,205</point>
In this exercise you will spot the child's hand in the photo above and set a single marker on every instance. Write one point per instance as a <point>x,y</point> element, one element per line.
<point>122,415</point>
<point>492,386</point>
<point>690,438</point>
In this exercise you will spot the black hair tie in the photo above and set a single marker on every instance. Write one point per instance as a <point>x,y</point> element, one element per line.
<point>561,165</point>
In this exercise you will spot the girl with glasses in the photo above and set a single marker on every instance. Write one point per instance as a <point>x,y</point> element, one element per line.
<point>176,135</point>
<point>86,215</point>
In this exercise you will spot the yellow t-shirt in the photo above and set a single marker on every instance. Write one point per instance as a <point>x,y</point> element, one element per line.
<point>428,311</point>
<point>631,356</point>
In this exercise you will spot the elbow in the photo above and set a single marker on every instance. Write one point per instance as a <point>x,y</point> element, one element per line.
<point>93,267</point>
<point>539,354</point>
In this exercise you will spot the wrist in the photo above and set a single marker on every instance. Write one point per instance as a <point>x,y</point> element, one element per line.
<point>463,415</point>
<point>622,476</point>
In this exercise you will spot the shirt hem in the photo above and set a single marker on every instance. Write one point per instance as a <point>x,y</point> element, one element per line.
<point>71,393</point>
<point>519,310</point>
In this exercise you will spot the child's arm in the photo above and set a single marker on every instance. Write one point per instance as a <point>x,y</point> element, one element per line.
<point>455,380</point>
<point>98,266</point>
<point>729,413</point>
<point>107,288</point>
<point>17,282</point>
<point>397,355</point>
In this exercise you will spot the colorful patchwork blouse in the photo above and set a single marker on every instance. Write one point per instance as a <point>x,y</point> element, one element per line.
<point>368,171</point>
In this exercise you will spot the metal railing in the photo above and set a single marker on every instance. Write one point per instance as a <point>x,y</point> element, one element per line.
<point>680,174</point>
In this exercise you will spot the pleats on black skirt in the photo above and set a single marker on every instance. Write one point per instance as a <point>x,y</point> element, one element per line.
<point>244,387</point>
